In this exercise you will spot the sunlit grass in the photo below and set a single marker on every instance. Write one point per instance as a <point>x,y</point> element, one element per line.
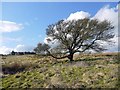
<point>86,71</point>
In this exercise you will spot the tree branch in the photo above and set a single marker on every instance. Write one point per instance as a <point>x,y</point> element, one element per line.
<point>88,46</point>
<point>55,56</point>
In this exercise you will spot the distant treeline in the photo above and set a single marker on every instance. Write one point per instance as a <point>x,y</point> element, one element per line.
<point>21,53</point>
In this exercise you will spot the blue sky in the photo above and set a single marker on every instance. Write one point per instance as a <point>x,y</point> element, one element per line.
<point>36,16</point>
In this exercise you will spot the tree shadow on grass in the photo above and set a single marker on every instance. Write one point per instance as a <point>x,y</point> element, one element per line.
<point>78,60</point>
<point>89,59</point>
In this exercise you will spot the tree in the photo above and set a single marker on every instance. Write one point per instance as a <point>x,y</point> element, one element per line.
<point>79,36</point>
<point>41,48</point>
<point>12,53</point>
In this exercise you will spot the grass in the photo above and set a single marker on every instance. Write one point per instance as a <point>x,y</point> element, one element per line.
<point>86,71</point>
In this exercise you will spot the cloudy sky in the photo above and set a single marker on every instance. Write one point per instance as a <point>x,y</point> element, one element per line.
<point>24,24</point>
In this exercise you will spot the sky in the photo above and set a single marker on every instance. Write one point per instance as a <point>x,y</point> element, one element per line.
<point>23,24</point>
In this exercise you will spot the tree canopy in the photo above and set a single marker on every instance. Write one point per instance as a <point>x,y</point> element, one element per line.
<point>78,36</point>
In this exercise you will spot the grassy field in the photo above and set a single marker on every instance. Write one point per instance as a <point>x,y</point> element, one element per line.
<point>86,71</point>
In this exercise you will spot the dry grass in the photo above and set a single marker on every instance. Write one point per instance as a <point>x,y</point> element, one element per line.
<point>87,71</point>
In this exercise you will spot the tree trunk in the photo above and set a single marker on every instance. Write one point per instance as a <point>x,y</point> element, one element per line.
<point>70,56</point>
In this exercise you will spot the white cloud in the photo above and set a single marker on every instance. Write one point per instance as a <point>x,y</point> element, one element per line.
<point>1,38</point>
<point>51,42</point>
<point>23,48</point>
<point>107,13</point>
<point>18,48</point>
<point>78,15</point>
<point>114,47</point>
<point>8,26</point>
<point>117,6</point>
<point>5,50</point>
<point>110,14</point>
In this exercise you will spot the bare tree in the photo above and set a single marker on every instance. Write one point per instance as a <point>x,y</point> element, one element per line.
<point>79,36</point>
